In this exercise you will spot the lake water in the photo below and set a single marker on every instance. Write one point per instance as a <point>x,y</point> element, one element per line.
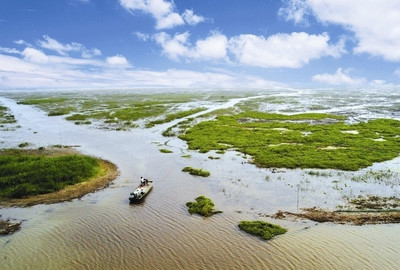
<point>103,231</point>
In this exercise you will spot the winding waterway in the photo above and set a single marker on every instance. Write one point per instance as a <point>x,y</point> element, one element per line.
<point>103,231</point>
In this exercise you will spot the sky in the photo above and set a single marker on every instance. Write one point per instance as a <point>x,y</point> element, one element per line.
<point>208,44</point>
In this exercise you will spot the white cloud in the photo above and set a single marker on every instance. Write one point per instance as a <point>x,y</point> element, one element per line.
<point>214,47</point>
<point>191,18</point>
<point>9,50</point>
<point>283,50</point>
<point>376,24</point>
<point>339,78</point>
<point>173,47</point>
<point>31,67</point>
<point>163,12</point>
<point>117,61</point>
<point>63,49</point>
<point>295,10</point>
<point>142,36</point>
<point>35,56</point>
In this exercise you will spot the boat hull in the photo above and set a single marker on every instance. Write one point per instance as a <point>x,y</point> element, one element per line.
<point>140,193</point>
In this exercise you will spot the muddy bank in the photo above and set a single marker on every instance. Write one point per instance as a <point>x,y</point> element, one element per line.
<point>109,172</point>
<point>360,217</point>
<point>8,227</point>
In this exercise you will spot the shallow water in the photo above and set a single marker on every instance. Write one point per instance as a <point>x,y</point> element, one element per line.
<point>102,231</point>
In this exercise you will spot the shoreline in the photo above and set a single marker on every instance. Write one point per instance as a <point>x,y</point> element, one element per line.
<point>109,172</point>
<point>357,218</point>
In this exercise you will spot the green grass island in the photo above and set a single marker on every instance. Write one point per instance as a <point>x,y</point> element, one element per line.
<point>202,206</point>
<point>33,176</point>
<point>262,229</point>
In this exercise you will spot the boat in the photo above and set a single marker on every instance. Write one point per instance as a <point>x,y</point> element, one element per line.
<point>140,192</point>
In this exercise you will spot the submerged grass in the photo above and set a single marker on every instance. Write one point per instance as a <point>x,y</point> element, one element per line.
<point>202,206</point>
<point>310,140</point>
<point>262,229</point>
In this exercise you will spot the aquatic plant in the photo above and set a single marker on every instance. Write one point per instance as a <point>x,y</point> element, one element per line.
<point>198,172</point>
<point>6,117</point>
<point>262,229</point>
<point>166,151</point>
<point>277,140</point>
<point>202,206</point>
<point>24,174</point>
<point>23,144</point>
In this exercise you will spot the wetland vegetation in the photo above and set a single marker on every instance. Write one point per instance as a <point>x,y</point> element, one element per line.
<point>194,171</point>
<point>262,229</point>
<point>120,111</point>
<point>202,206</point>
<point>28,176</point>
<point>299,141</point>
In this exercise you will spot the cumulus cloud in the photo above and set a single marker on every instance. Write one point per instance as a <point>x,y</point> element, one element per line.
<point>375,24</point>
<point>117,61</point>
<point>178,47</point>
<point>163,12</point>
<point>191,18</point>
<point>340,77</point>
<point>283,50</point>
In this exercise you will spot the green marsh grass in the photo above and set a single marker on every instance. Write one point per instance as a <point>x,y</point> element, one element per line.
<point>23,174</point>
<point>202,206</point>
<point>262,229</point>
<point>313,140</point>
<point>115,110</point>
<point>198,172</point>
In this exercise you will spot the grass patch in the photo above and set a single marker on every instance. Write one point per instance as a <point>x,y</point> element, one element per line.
<point>24,173</point>
<point>6,117</point>
<point>262,229</point>
<point>198,172</point>
<point>166,151</point>
<point>202,206</point>
<point>321,141</point>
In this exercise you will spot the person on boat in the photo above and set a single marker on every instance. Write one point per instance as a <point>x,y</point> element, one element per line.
<point>142,181</point>
<point>141,191</point>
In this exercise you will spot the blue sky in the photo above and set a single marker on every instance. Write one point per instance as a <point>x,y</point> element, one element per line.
<point>199,44</point>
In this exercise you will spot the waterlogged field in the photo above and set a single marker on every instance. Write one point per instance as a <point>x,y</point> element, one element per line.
<point>120,111</point>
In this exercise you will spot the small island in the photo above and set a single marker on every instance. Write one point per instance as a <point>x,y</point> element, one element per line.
<point>35,176</point>
<point>262,229</point>
<point>202,206</point>
<point>194,171</point>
